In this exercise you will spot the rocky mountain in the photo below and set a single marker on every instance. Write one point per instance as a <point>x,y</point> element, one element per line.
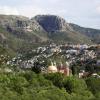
<point>21,33</point>
<point>20,26</point>
<point>16,22</point>
<point>58,29</point>
<point>52,23</point>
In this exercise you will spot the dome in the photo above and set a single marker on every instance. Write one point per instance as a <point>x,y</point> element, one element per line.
<point>52,69</point>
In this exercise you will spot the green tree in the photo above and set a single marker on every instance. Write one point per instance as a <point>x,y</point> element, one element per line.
<point>93,84</point>
<point>72,84</point>
<point>56,78</point>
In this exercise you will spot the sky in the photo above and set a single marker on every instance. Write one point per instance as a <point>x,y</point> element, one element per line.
<point>82,12</point>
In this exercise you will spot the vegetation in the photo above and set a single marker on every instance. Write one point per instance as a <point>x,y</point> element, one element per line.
<point>18,84</point>
<point>31,86</point>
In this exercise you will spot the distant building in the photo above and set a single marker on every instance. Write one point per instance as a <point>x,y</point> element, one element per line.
<point>64,69</point>
<point>52,69</point>
<point>61,69</point>
<point>83,74</point>
<point>95,75</point>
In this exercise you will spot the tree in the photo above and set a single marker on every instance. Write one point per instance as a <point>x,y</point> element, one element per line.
<point>72,84</point>
<point>37,67</point>
<point>93,84</point>
<point>56,78</point>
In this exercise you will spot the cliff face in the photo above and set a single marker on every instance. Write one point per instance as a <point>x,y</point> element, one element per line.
<point>58,29</point>
<point>52,23</point>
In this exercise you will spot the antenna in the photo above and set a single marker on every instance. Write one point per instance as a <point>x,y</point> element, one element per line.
<point>51,62</point>
<point>67,64</point>
<point>61,64</point>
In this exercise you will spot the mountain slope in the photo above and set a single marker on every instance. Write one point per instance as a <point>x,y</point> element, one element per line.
<point>52,23</point>
<point>94,34</point>
<point>58,29</point>
<point>20,33</point>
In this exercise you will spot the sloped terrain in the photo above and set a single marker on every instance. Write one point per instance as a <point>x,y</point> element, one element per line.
<point>20,33</point>
<point>59,30</point>
<point>94,34</point>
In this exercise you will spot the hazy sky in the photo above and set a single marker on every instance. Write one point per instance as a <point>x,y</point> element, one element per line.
<point>82,12</point>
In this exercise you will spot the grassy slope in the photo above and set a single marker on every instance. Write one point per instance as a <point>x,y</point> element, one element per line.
<point>94,34</point>
<point>70,37</point>
<point>23,42</point>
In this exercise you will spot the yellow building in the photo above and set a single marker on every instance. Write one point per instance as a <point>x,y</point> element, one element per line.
<point>52,69</point>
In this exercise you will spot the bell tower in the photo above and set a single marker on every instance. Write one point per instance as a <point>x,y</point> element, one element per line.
<point>67,69</point>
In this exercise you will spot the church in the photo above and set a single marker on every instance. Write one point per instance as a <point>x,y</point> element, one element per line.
<point>60,68</point>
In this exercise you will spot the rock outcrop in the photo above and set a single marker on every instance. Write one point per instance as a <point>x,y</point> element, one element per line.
<point>52,23</point>
<point>19,22</point>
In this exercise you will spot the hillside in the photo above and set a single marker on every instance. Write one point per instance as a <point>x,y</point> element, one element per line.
<point>58,29</point>
<point>20,33</point>
<point>94,34</point>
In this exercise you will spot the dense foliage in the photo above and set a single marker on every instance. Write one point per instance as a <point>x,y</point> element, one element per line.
<point>31,86</point>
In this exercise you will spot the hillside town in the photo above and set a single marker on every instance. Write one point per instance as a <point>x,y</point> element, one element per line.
<point>69,59</point>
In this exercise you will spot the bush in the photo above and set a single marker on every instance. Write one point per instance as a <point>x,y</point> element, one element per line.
<point>93,84</point>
